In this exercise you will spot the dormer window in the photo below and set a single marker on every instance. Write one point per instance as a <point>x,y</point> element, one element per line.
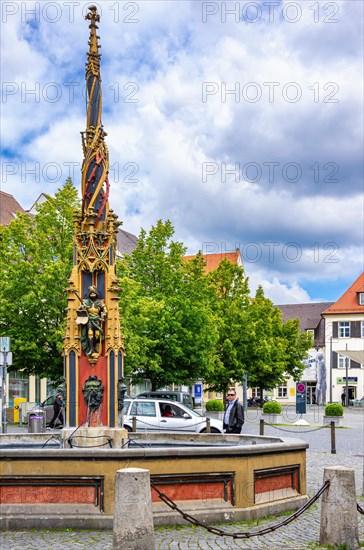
<point>361,298</point>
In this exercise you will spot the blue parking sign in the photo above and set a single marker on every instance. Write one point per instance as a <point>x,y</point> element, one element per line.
<point>198,390</point>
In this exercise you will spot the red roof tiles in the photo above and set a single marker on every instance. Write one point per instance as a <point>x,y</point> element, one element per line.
<point>349,301</point>
<point>213,260</point>
<point>8,207</point>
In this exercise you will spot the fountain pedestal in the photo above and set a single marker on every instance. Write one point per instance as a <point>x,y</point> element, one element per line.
<point>97,437</point>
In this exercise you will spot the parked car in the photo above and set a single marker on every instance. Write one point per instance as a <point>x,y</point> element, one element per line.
<point>47,408</point>
<point>165,415</point>
<point>179,396</point>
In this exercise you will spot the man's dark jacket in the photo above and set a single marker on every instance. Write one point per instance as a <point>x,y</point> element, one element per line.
<point>236,419</point>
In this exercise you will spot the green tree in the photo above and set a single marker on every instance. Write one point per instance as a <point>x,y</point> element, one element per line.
<point>276,349</point>
<point>231,303</point>
<point>35,264</point>
<point>168,325</point>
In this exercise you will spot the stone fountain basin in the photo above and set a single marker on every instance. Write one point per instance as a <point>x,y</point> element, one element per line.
<point>215,477</point>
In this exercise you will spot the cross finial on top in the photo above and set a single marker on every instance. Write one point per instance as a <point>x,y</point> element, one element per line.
<point>92,15</point>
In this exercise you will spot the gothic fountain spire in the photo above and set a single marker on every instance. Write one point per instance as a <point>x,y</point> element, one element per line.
<point>94,345</point>
<point>95,183</point>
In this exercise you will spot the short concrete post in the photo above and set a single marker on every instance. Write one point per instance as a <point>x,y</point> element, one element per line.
<point>208,425</point>
<point>333,440</point>
<point>133,518</point>
<point>339,516</point>
<point>261,426</point>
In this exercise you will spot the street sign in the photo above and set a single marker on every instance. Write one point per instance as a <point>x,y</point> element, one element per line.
<point>4,343</point>
<point>6,357</point>
<point>301,397</point>
<point>198,390</point>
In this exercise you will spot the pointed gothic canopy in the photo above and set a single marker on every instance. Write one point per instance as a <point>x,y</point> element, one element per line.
<point>95,183</point>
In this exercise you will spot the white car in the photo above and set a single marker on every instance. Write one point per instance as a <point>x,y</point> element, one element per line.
<point>165,415</point>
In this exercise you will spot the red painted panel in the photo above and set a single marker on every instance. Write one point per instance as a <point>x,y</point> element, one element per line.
<point>86,370</point>
<point>273,483</point>
<point>284,481</point>
<point>193,491</point>
<point>46,495</point>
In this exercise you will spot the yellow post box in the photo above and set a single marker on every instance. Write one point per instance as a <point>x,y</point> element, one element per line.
<point>17,401</point>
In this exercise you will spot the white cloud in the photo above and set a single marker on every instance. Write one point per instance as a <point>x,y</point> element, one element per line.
<point>159,144</point>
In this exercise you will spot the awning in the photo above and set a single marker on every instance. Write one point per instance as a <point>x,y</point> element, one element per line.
<point>357,356</point>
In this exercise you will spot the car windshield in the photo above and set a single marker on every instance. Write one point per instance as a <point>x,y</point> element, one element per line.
<point>192,412</point>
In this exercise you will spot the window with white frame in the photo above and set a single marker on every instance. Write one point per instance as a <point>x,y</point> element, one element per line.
<point>361,298</point>
<point>343,362</point>
<point>362,329</point>
<point>282,391</point>
<point>255,392</point>
<point>344,329</point>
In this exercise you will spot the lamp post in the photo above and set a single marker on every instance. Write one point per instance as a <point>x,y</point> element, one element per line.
<point>245,392</point>
<point>331,362</point>
<point>347,360</point>
<point>5,360</point>
<point>4,391</point>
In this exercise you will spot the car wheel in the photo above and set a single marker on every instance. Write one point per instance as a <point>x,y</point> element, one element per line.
<point>128,429</point>
<point>213,431</point>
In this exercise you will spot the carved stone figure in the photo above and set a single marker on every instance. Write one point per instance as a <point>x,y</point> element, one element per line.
<point>61,389</point>
<point>320,393</point>
<point>91,316</point>
<point>121,393</point>
<point>93,393</point>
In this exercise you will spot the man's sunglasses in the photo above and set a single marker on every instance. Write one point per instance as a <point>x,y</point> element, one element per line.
<point>230,394</point>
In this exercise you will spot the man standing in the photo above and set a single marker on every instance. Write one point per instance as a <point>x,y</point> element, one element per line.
<point>343,399</point>
<point>234,414</point>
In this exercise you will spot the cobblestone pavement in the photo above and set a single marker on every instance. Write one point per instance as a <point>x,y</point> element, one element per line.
<point>302,533</point>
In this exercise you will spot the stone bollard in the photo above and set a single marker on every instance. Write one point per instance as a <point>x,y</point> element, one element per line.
<point>133,518</point>
<point>339,516</point>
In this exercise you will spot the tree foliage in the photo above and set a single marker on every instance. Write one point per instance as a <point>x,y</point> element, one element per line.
<point>169,328</point>
<point>276,349</point>
<point>35,263</point>
<point>181,324</point>
<point>230,301</point>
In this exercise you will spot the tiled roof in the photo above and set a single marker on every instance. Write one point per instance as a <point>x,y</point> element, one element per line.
<point>213,260</point>
<point>308,314</point>
<point>349,302</point>
<point>127,242</point>
<point>8,207</point>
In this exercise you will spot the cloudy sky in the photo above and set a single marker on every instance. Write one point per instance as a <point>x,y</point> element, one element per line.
<point>241,122</point>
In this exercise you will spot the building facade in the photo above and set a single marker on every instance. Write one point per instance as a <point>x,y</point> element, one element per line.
<point>344,352</point>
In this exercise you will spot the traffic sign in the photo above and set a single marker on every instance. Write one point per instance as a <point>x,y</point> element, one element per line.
<point>301,400</point>
<point>198,390</point>
<point>6,358</point>
<point>4,343</point>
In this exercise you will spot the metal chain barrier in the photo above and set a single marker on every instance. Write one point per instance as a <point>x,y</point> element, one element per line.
<point>56,438</point>
<point>296,431</point>
<point>108,442</point>
<point>239,534</point>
